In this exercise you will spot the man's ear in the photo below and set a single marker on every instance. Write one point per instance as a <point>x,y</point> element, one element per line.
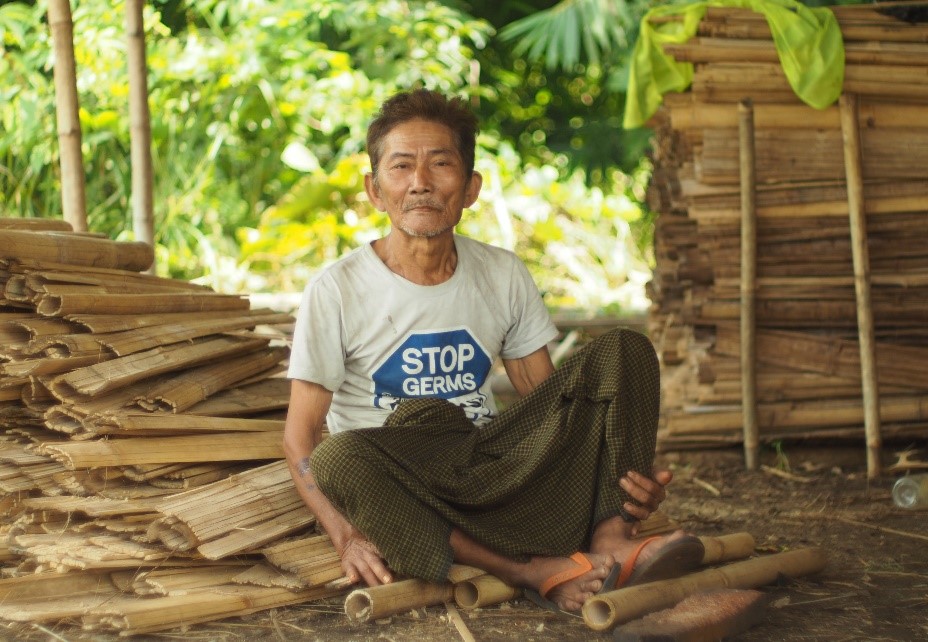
<point>472,190</point>
<point>373,192</point>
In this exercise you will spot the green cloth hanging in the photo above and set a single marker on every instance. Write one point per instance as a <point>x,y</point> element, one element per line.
<point>808,42</point>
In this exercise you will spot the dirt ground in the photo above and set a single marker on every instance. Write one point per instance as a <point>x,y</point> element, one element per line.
<point>875,586</point>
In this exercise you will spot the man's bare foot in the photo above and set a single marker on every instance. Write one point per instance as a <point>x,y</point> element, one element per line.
<point>570,594</point>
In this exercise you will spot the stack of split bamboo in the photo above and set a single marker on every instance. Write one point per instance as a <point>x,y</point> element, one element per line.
<point>140,430</point>
<point>836,215</point>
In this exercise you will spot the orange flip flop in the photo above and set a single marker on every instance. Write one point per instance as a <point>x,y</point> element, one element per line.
<point>540,597</point>
<point>674,559</point>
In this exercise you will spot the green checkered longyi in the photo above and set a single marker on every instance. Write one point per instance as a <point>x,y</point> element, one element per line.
<point>534,481</point>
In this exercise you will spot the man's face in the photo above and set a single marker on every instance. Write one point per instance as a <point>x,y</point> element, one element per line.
<point>421,182</point>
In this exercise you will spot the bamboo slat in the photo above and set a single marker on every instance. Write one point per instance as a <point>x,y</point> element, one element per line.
<point>35,224</point>
<point>246,400</point>
<point>132,616</point>
<point>178,581</point>
<point>267,575</point>
<point>74,250</point>
<point>313,559</point>
<point>239,506</point>
<point>158,450</point>
<point>73,304</point>
<point>194,386</point>
<point>128,342</point>
<point>805,275</point>
<point>107,323</point>
<point>168,423</point>
<point>119,373</point>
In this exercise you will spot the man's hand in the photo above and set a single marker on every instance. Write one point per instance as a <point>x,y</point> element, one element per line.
<point>362,560</point>
<point>647,492</point>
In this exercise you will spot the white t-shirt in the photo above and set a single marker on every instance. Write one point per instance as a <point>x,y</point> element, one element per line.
<point>372,337</point>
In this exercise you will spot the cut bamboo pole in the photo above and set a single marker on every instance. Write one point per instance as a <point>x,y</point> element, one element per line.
<point>483,590</point>
<point>376,602</point>
<point>725,548</point>
<point>73,198</point>
<point>143,223</point>
<point>748,284</point>
<point>855,198</point>
<point>487,590</point>
<point>603,612</point>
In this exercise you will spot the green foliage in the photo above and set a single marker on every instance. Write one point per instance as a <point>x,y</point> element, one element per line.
<point>258,113</point>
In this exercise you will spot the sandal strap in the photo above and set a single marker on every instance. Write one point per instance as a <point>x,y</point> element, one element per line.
<point>584,565</point>
<point>628,566</point>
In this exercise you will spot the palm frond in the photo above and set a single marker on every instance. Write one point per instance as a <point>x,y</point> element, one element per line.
<point>558,34</point>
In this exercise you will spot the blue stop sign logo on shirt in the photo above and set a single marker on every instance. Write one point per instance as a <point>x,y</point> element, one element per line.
<point>449,365</point>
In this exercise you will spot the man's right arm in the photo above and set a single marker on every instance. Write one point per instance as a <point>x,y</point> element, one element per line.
<point>309,403</point>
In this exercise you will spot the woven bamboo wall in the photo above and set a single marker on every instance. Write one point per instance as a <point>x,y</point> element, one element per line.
<point>808,361</point>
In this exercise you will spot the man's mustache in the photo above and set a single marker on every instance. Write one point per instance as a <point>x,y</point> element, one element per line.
<point>435,205</point>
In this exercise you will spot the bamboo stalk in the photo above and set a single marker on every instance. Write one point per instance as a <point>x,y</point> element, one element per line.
<point>852,160</point>
<point>748,284</point>
<point>483,590</point>
<point>603,612</point>
<point>73,198</point>
<point>139,127</point>
<point>725,548</point>
<point>376,602</point>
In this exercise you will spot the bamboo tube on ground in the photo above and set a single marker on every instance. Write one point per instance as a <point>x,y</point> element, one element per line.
<point>724,548</point>
<point>748,283</point>
<point>603,612</point>
<point>483,590</point>
<point>375,602</point>
<point>855,198</point>
<point>139,127</point>
<point>486,590</point>
<point>73,197</point>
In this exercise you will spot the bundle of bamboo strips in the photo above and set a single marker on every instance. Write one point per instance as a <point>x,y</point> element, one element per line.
<point>807,308</point>
<point>184,386</point>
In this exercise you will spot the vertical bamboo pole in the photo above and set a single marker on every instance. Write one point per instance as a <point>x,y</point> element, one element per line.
<point>850,132</point>
<point>73,198</point>
<point>748,283</point>
<point>139,127</point>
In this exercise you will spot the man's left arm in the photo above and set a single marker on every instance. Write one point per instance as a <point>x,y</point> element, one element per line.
<point>528,372</point>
